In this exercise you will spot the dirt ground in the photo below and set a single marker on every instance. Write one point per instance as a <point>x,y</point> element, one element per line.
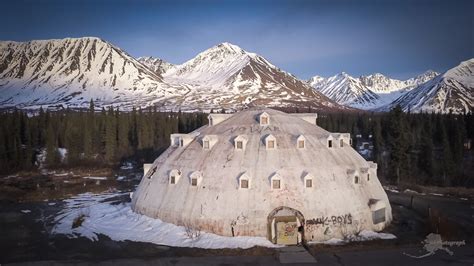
<point>25,235</point>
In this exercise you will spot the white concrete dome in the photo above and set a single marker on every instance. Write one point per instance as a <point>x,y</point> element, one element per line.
<point>262,172</point>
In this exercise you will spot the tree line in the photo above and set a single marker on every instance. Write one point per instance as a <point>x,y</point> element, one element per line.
<point>412,148</point>
<point>91,138</point>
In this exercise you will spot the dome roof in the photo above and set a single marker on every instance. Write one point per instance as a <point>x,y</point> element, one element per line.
<point>259,146</point>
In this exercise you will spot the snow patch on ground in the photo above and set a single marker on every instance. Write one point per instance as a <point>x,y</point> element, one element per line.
<point>95,177</point>
<point>364,235</point>
<point>106,215</point>
<point>25,211</point>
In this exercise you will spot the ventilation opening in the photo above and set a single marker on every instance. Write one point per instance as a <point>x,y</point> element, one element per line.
<point>330,143</point>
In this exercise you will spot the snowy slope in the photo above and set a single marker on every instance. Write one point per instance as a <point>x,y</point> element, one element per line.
<point>159,66</point>
<point>228,75</point>
<point>452,91</point>
<point>366,92</point>
<point>345,90</point>
<point>70,72</point>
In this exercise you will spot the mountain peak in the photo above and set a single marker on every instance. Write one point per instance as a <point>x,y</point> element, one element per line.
<point>226,48</point>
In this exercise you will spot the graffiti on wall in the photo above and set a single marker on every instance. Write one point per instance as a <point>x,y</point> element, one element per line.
<point>334,220</point>
<point>253,128</point>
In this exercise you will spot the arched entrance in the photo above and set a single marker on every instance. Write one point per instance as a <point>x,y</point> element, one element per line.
<point>285,226</point>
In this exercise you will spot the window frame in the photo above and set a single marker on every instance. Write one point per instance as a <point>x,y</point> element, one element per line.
<point>206,144</point>
<point>306,183</point>
<point>274,181</point>
<point>247,182</point>
<point>239,145</point>
<point>272,142</point>
<point>303,142</point>
<point>330,143</point>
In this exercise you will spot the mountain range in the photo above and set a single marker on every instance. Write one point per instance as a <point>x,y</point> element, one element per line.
<point>367,92</point>
<point>70,72</point>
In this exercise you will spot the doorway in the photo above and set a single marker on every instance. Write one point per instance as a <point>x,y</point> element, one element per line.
<point>286,226</point>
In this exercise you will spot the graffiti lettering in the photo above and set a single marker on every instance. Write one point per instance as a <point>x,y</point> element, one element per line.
<point>333,220</point>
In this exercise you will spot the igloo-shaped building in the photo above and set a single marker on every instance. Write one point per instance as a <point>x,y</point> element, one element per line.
<point>262,172</point>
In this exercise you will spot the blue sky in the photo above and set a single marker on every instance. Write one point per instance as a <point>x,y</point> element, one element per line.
<point>398,38</point>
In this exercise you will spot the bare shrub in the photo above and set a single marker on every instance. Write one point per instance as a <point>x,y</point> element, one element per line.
<point>80,218</point>
<point>191,232</point>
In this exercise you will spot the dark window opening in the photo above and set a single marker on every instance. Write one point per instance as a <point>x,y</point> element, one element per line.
<point>309,183</point>
<point>330,143</point>
<point>240,145</point>
<point>152,172</point>
<point>378,216</point>
<point>244,183</point>
<point>276,184</point>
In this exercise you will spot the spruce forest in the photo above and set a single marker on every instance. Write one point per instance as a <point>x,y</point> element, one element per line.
<point>425,149</point>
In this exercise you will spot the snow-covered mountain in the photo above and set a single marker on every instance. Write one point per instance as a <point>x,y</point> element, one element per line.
<point>366,92</point>
<point>453,91</point>
<point>228,75</point>
<point>159,66</point>
<point>70,72</point>
<point>345,90</point>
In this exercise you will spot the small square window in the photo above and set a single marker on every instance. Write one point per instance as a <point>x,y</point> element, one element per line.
<point>271,144</point>
<point>172,179</point>
<point>341,143</point>
<point>276,184</point>
<point>205,144</point>
<point>330,143</point>
<point>240,145</point>
<point>264,120</point>
<point>244,183</point>
<point>194,182</point>
<point>309,183</point>
<point>301,144</point>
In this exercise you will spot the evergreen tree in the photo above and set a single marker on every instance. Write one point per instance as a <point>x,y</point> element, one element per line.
<point>398,143</point>
<point>110,137</point>
<point>52,153</point>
